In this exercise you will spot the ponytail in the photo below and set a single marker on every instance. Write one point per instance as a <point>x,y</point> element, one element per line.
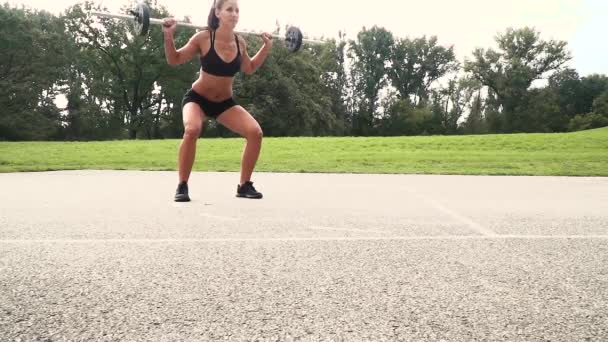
<point>213,21</point>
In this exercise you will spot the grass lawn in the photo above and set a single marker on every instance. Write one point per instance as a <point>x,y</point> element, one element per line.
<point>570,154</point>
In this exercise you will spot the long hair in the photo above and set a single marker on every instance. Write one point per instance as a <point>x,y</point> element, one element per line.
<point>213,21</point>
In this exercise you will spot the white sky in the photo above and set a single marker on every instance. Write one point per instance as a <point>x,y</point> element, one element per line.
<point>466,24</point>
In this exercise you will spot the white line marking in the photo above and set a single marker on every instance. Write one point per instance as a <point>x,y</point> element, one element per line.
<point>280,239</point>
<point>346,229</point>
<point>219,217</point>
<point>472,224</point>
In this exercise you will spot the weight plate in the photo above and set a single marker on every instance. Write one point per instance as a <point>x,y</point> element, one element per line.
<point>141,19</point>
<point>293,39</point>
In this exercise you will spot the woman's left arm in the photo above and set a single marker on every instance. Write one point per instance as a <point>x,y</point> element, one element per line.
<point>250,65</point>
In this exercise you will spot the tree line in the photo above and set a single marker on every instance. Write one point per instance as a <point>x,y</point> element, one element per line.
<point>119,86</point>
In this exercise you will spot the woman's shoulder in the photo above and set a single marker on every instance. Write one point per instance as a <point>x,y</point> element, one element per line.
<point>200,38</point>
<point>241,40</point>
<point>202,34</point>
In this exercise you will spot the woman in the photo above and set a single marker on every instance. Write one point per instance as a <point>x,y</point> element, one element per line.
<point>223,54</point>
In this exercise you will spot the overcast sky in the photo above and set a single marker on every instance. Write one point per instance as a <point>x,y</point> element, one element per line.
<point>466,24</point>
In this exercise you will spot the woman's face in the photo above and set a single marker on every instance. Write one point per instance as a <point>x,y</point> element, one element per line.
<point>229,13</point>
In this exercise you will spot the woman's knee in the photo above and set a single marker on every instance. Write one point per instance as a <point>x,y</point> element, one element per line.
<point>192,132</point>
<point>193,121</point>
<point>255,133</point>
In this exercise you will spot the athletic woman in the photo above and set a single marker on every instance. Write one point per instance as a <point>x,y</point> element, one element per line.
<point>222,55</point>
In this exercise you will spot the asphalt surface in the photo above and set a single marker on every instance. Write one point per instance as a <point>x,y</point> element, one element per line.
<point>108,255</point>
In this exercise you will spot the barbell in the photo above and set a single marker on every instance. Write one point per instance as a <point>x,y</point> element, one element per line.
<point>140,17</point>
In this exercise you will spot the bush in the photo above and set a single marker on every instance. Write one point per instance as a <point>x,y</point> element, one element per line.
<point>587,121</point>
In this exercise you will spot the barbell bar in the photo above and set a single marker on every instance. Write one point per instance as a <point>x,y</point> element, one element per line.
<point>140,16</point>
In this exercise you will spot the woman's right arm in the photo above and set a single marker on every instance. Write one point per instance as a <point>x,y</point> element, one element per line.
<point>184,54</point>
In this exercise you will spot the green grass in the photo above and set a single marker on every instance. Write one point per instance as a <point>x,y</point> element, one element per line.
<point>572,154</point>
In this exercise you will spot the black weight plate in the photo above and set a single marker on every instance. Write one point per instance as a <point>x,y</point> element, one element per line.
<point>293,39</point>
<point>141,19</point>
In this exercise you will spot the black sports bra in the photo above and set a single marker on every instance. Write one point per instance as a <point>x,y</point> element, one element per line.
<point>213,64</point>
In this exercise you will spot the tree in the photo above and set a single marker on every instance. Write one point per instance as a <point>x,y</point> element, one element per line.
<point>542,112</point>
<point>592,87</point>
<point>566,84</point>
<point>522,58</point>
<point>475,122</point>
<point>287,95</point>
<point>332,58</point>
<point>370,54</point>
<point>130,66</point>
<point>32,65</point>
<point>401,117</point>
<point>600,104</point>
<point>587,121</point>
<point>599,115</point>
<point>455,98</point>
<point>417,63</point>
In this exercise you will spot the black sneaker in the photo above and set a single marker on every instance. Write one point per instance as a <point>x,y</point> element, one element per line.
<point>181,194</point>
<point>247,190</point>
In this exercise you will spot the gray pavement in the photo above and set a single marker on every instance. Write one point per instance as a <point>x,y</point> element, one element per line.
<point>107,255</point>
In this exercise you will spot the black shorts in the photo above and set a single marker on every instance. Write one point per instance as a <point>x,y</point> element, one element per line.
<point>210,108</point>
